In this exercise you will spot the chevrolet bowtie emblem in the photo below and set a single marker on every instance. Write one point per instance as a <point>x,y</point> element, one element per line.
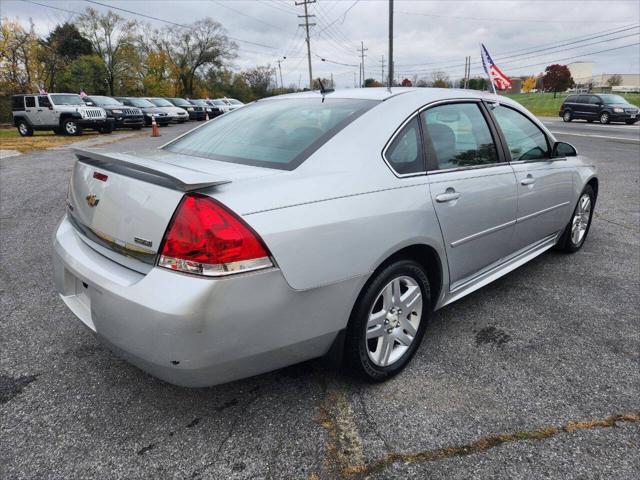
<point>92,200</point>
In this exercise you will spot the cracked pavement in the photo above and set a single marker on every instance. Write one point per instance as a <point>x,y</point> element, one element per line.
<point>556,341</point>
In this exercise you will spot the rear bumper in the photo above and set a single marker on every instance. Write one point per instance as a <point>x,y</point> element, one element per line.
<point>197,332</point>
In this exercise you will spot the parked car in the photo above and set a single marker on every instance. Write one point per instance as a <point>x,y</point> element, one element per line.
<point>195,112</point>
<point>123,117</point>
<point>149,110</point>
<point>233,103</point>
<point>212,111</point>
<point>177,114</point>
<point>220,104</point>
<point>64,113</point>
<point>603,107</point>
<point>306,225</point>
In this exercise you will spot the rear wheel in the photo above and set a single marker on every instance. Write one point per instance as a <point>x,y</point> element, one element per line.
<point>604,118</point>
<point>71,127</point>
<point>24,129</point>
<point>566,116</point>
<point>388,322</point>
<point>577,229</point>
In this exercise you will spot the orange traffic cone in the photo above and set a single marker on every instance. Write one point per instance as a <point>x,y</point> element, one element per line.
<point>206,116</point>
<point>155,131</point>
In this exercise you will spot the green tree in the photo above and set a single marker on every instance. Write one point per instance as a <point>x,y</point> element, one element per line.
<point>371,82</point>
<point>192,50</point>
<point>62,46</point>
<point>557,78</point>
<point>87,72</point>
<point>112,37</point>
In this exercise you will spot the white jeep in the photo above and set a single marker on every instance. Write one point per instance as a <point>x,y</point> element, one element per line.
<point>64,113</point>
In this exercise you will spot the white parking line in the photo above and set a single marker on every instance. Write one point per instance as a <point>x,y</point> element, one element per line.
<point>637,140</point>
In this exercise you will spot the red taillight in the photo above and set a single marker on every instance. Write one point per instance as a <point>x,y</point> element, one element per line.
<point>206,238</point>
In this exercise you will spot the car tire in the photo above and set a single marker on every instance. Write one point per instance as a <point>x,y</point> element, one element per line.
<point>71,127</point>
<point>384,332</point>
<point>137,127</point>
<point>605,118</point>
<point>24,129</point>
<point>576,231</point>
<point>630,122</point>
<point>106,130</point>
<point>566,116</point>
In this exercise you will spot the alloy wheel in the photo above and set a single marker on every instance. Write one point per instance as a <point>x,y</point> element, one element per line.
<point>71,128</point>
<point>394,320</point>
<point>580,221</point>
<point>604,118</point>
<point>566,116</point>
<point>23,129</point>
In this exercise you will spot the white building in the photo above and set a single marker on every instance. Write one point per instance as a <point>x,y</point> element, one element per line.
<point>581,72</point>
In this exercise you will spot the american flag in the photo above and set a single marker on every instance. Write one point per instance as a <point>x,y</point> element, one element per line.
<point>499,79</point>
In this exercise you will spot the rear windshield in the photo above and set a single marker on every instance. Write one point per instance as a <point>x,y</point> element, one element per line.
<point>161,102</point>
<point>66,99</point>
<point>273,133</point>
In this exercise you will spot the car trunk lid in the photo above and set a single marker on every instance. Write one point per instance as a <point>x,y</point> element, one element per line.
<point>122,204</point>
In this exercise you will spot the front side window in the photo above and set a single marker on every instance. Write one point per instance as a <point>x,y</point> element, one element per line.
<point>43,101</point>
<point>459,136</point>
<point>272,133</point>
<point>593,100</point>
<point>29,102</point>
<point>524,139</point>
<point>405,152</point>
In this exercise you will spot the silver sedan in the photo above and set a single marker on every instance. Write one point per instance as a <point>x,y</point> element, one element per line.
<point>308,225</point>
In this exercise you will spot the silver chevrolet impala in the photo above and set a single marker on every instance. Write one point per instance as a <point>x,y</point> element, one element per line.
<point>312,224</point>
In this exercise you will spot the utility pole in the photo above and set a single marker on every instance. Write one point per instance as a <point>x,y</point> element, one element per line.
<point>464,80</point>
<point>306,25</point>
<point>362,55</point>
<point>382,69</point>
<point>390,43</point>
<point>354,79</point>
<point>280,60</point>
<point>331,86</point>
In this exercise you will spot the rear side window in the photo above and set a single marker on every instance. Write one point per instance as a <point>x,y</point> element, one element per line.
<point>17,103</point>
<point>459,136</point>
<point>524,139</point>
<point>29,102</point>
<point>405,152</point>
<point>43,101</point>
<point>272,133</point>
<point>570,99</point>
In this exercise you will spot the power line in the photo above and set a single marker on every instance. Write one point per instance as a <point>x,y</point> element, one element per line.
<point>50,6</point>
<point>174,23</point>
<point>513,20</point>
<point>240,12</point>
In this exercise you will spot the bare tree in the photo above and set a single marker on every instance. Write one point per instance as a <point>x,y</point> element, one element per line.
<point>112,38</point>
<point>260,79</point>
<point>614,80</point>
<point>192,50</point>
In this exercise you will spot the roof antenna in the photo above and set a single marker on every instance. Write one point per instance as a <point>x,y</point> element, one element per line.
<point>324,91</point>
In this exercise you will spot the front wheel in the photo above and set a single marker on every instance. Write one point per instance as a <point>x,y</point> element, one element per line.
<point>577,229</point>
<point>630,122</point>
<point>106,129</point>
<point>24,129</point>
<point>71,127</point>
<point>604,118</point>
<point>566,116</point>
<point>388,322</point>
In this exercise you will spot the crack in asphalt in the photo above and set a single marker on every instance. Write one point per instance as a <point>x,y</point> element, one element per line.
<point>484,443</point>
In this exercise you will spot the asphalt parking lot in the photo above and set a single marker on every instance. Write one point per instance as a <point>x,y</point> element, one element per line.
<point>534,376</point>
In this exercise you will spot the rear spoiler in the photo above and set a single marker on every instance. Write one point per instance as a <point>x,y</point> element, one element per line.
<point>151,171</point>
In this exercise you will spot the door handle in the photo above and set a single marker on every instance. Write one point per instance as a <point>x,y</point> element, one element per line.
<point>529,180</point>
<point>39,109</point>
<point>448,196</point>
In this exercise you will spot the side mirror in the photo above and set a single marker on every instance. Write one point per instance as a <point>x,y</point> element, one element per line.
<point>89,103</point>
<point>50,107</point>
<point>562,149</point>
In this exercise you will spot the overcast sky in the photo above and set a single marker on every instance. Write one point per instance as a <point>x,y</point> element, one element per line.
<point>429,35</point>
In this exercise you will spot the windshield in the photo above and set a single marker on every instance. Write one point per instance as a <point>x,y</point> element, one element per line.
<point>161,102</point>
<point>276,134</point>
<point>66,99</point>
<point>180,102</point>
<point>140,102</point>
<point>202,103</point>
<point>609,99</point>
<point>233,101</point>
<point>218,102</point>
<point>105,101</point>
